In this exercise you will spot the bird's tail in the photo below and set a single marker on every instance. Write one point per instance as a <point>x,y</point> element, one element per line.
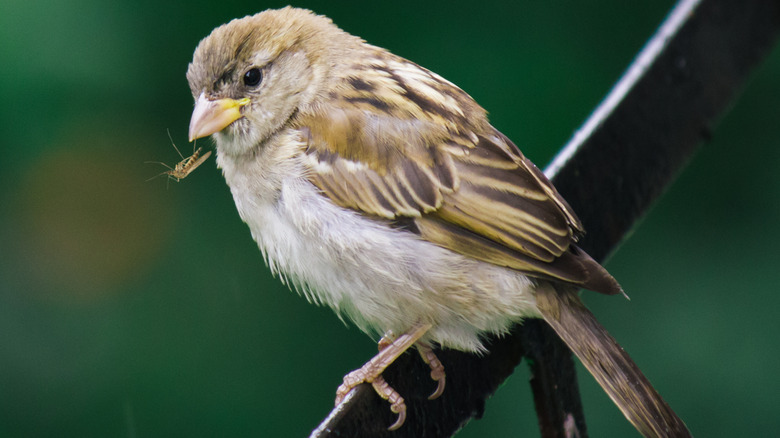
<point>609,364</point>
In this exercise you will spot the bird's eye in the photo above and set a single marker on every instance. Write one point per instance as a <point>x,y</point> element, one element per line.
<point>253,77</point>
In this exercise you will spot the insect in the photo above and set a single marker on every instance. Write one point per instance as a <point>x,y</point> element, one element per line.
<point>186,166</point>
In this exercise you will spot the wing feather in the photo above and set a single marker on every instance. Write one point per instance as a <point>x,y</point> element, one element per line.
<point>424,152</point>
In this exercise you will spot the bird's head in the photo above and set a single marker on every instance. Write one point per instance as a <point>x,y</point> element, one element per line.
<point>251,75</point>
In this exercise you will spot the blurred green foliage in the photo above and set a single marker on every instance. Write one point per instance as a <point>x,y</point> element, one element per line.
<point>133,308</point>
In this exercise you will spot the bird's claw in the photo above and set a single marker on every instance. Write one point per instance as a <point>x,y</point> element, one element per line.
<point>382,388</point>
<point>397,403</point>
<point>439,388</point>
<point>437,369</point>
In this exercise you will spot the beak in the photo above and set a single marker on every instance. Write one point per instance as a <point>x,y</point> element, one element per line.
<point>210,116</point>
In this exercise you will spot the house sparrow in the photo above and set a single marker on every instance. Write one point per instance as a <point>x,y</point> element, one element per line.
<point>380,189</point>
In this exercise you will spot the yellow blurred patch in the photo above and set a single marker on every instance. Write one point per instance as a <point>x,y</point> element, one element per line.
<point>88,222</point>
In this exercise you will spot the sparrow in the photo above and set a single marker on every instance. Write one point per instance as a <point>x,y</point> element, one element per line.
<point>380,189</point>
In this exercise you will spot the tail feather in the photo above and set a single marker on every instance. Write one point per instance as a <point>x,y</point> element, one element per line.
<point>609,364</point>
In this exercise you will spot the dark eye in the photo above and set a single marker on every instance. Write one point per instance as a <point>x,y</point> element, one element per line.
<point>253,77</point>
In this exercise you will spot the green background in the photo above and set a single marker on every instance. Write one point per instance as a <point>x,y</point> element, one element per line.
<point>142,309</point>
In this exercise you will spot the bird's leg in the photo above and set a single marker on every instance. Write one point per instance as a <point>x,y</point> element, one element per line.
<point>372,371</point>
<point>437,369</point>
<point>386,340</point>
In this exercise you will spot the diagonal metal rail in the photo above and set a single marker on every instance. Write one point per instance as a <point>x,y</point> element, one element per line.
<point>618,163</point>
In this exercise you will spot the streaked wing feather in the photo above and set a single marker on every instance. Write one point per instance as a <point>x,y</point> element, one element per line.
<point>425,153</point>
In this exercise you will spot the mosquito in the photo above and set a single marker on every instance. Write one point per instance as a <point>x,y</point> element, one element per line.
<point>186,166</point>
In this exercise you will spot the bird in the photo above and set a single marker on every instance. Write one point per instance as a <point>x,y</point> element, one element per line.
<point>376,187</point>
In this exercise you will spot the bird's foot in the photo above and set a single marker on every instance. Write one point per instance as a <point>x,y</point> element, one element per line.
<point>372,371</point>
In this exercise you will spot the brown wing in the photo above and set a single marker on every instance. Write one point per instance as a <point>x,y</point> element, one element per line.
<point>403,144</point>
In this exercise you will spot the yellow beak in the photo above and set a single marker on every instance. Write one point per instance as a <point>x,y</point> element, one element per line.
<point>210,116</point>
